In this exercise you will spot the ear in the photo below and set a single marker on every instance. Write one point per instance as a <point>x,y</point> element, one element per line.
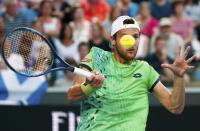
<point>113,41</point>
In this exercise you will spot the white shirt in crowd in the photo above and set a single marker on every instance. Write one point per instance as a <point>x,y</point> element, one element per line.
<point>67,51</point>
<point>81,33</point>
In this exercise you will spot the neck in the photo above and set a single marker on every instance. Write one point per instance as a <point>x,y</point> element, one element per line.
<point>158,54</point>
<point>46,17</point>
<point>179,15</point>
<point>145,17</point>
<point>67,41</point>
<point>120,59</point>
<point>78,20</point>
<point>97,39</point>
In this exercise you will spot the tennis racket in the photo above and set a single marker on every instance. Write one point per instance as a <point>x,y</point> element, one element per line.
<point>27,52</point>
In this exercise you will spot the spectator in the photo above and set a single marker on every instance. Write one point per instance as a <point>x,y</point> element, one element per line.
<point>97,10</point>
<point>128,7</point>
<point>81,27</point>
<point>173,40</point>
<point>11,17</point>
<point>181,24</point>
<point>66,46</point>
<point>161,8</point>
<point>37,25</point>
<point>98,38</point>
<point>51,25</point>
<point>147,22</point>
<point>74,2</point>
<point>112,2</point>
<point>159,57</point>
<point>62,10</point>
<point>192,10</point>
<point>115,13</point>
<point>2,7</point>
<point>83,50</point>
<point>2,31</point>
<point>66,81</point>
<point>29,11</point>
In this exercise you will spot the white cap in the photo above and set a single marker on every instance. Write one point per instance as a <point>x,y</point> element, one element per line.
<point>165,22</point>
<point>118,24</point>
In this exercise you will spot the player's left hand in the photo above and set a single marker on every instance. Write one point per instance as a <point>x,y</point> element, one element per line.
<point>180,65</point>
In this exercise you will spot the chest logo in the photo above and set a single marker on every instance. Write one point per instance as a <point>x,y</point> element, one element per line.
<point>137,75</point>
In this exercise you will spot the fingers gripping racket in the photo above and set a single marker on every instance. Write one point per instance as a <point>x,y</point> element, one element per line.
<point>27,52</point>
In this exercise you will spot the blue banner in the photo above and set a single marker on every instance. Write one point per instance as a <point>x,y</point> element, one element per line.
<point>20,90</point>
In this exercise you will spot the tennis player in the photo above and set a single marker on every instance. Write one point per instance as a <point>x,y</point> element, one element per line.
<point>116,98</point>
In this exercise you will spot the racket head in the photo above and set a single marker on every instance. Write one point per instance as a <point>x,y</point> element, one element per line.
<point>27,52</point>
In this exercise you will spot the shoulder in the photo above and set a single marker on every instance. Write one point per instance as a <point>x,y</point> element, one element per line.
<point>100,55</point>
<point>142,63</point>
<point>99,51</point>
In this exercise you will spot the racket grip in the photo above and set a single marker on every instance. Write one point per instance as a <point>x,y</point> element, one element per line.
<point>82,72</point>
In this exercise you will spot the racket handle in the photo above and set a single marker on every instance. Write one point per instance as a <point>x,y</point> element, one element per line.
<point>82,72</point>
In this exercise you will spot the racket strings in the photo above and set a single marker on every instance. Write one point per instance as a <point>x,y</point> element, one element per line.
<point>27,52</point>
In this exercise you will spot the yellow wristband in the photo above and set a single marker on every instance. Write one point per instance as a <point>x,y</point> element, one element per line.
<point>87,89</point>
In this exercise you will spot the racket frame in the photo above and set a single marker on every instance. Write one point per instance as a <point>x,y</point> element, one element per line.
<point>54,56</point>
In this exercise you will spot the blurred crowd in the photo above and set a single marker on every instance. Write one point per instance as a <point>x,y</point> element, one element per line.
<point>75,26</point>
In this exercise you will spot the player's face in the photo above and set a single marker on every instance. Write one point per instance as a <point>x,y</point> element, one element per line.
<point>126,54</point>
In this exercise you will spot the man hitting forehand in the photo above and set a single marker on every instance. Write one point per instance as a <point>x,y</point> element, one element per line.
<point>115,98</point>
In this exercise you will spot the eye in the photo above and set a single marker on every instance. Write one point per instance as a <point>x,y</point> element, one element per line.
<point>136,36</point>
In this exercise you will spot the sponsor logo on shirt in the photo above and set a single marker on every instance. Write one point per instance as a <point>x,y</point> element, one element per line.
<point>137,75</point>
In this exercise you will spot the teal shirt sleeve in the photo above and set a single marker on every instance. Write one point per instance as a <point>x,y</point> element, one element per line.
<point>153,78</point>
<point>87,62</point>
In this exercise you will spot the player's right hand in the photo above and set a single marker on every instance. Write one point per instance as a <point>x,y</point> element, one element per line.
<point>96,80</point>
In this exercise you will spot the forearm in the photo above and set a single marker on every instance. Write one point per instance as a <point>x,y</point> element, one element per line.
<point>75,93</point>
<point>84,87</point>
<point>177,98</point>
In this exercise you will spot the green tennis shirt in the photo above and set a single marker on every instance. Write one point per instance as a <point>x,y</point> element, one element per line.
<point>121,104</point>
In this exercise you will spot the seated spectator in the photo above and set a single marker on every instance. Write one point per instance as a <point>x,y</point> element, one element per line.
<point>128,7</point>
<point>66,81</point>
<point>98,38</point>
<point>161,8</point>
<point>114,14</point>
<point>37,25</point>
<point>192,10</point>
<point>181,24</point>
<point>62,10</point>
<point>83,50</point>
<point>95,10</point>
<point>11,17</point>
<point>112,2</point>
<point>159,57</point>
<point>173,40</point>
<point>29,11</point>
<point>2,31</point>
<point>51,25</point>
<point>2,7</point>
<point>66,46</point>
<point>74,3</point>
<point>147,22</point>
<point>81,27</point>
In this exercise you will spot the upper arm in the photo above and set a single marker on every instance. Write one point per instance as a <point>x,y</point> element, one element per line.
<point>157,88</point>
